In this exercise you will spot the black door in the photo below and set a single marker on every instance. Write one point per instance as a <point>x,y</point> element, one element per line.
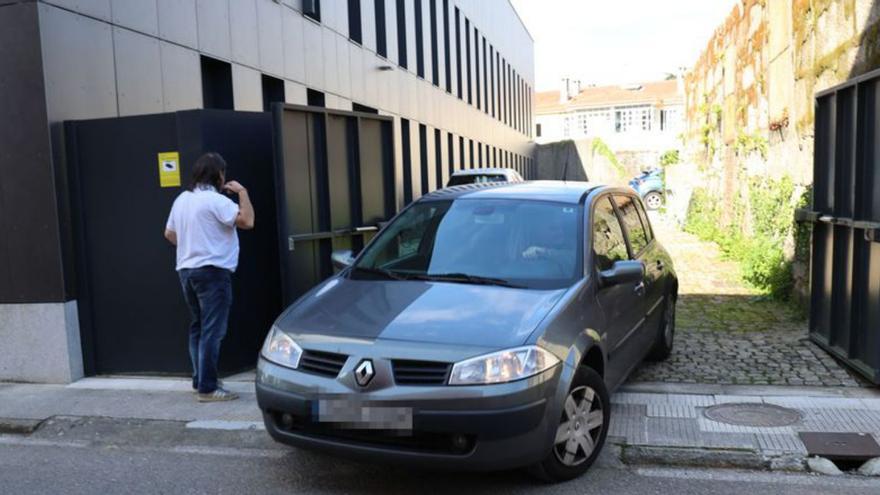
<point>132,315</point>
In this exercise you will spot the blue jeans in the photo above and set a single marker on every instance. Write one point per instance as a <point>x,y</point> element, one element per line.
<point>208,293</point>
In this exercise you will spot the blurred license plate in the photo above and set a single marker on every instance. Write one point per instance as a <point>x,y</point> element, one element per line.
<point>363,415</point>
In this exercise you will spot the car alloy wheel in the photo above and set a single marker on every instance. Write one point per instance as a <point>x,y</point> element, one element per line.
<point>653,200</point>
<point>580,428</point>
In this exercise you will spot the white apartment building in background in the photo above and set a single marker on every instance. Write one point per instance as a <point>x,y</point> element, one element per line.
<point>639,117</point>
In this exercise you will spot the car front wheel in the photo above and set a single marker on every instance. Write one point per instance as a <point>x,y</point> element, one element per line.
<point>582,429</point>
<point>653,200</point>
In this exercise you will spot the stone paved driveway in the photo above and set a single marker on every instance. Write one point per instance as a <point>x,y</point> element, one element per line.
<point>728,334</point>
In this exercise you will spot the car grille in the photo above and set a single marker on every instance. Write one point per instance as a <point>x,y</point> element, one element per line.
<point>408,372</point>
<point>322,363</point>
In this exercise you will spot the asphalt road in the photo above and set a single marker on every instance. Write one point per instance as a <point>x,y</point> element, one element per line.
<point>156,457</point>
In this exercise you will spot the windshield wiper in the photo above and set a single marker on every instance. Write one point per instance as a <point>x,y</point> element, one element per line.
<point>466,278</point>
<point>381,271</point>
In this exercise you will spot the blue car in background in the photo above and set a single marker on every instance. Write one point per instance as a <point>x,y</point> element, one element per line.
<point>649,185</point>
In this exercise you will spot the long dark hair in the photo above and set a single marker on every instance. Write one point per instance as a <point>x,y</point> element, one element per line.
<point>209,169</point>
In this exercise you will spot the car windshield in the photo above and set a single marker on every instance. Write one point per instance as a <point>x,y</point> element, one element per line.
<point>457,180</point>
<point>499,241</point>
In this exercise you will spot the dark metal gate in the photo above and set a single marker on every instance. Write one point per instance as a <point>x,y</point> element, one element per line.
<point>131,311</point>
<point>845,271</point>
<point>335,181</point>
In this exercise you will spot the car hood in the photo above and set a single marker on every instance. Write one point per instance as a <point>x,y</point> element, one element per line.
<point>431,312</point>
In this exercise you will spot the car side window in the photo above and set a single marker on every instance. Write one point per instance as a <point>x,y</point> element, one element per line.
<point>608,242</point>
<point>638,237</point>
<point>643,216</point>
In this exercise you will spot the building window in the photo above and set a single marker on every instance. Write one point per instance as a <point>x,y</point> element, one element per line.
<point>467,50</point>
<point>477,65</point>
<point>485,80</point>
<point>312,8</point>
<point>273,91</point>
<point>450,153</point>
<point>632,118</point>
<point>354,21</point>
<point>458,54</point>
<point>471,152</point>
<point>357,107</point>
<point>315,98</point>
<point>216,84</point>
<point>480,154</point>
<point>406,150</point>
<point>438,158</point>
<point>492,78</point>
<point>420,40</point>
<point>381,42</point>
<point>460,153</point>
<point>423,155</point>
<point>446,46</point>
<point>669,119</point>
<point>435,60</point>
<point>401,33</point>
<point>538,129</point>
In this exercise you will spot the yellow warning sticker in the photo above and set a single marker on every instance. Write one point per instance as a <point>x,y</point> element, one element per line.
<point>169,169</point>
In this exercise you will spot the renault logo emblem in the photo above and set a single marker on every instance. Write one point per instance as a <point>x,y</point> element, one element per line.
<point>364,373</point>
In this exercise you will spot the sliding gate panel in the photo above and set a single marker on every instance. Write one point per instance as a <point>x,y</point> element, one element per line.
<point>335,180</point>
<point>845,264</point>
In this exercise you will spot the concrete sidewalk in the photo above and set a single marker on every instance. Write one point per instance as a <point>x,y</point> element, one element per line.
<point>652,423</point>
<point>129,398</point>
<point>668,423</point>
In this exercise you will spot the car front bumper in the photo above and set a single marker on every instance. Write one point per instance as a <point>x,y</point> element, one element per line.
<point>481,427</point>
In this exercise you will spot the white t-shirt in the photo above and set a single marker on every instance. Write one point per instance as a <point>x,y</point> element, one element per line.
<point>204,221</point>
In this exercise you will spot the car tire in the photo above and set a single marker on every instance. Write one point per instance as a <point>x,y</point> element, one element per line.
<point>665,332</point>
<point>591,411</point>
<point>653,200</point>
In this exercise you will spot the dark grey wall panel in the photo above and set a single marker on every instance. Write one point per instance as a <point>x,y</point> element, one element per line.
<point>30,252</point>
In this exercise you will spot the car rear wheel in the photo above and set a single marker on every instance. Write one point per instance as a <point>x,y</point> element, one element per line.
<point>653,200</point>
<point>582,429</point>
<point>666,333</point>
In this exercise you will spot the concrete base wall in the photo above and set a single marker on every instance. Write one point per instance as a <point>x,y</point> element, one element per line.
<point>40,343</point>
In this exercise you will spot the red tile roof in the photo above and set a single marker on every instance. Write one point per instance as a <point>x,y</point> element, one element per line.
<point>600,96</point>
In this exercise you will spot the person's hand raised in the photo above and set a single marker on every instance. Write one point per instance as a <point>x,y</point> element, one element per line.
<point>233,187</point>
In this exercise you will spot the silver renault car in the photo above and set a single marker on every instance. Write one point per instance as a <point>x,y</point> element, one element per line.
<point>483,328</point>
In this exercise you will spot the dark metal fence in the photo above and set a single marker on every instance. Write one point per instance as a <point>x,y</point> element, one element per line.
<point>845,262</point>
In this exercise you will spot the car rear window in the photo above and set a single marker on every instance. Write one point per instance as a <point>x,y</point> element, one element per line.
<point>458,180</point>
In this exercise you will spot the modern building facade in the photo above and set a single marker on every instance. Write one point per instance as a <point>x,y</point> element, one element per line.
<point>637,117</point>
<point>456,76</point>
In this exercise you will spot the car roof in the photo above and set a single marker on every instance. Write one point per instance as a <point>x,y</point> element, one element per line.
<point>544,190</point>
<point>485,171</point>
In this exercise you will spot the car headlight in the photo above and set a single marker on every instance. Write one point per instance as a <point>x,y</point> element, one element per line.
<point>502,366</point>
<point>281,349</point>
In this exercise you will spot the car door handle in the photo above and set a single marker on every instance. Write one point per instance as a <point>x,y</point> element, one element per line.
<point>640,289</point>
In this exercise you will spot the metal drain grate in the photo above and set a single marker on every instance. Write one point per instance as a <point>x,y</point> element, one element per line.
<point>753,414</point>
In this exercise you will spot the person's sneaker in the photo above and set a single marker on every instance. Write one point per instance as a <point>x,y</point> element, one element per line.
<point>218,395</point>
<point>219,385</point>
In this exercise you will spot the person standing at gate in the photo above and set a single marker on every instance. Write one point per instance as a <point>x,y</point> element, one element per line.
<point>202,225</point>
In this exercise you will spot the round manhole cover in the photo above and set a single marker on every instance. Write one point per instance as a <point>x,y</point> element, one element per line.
<point>749,414</point>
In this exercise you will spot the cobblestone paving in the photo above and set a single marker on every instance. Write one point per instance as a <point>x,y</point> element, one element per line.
<point>726,333</point>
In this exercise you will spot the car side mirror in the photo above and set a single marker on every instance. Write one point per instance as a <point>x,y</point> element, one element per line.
<point>342,258</point>
<point>623,272</point>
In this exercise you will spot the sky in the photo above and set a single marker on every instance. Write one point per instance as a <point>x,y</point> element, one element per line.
<point>617,41</point>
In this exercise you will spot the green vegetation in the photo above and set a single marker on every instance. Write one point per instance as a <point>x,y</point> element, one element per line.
<point>751,143</point>
<point>669,157</point>
<point>767,213</point>
<point>601,148</point>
